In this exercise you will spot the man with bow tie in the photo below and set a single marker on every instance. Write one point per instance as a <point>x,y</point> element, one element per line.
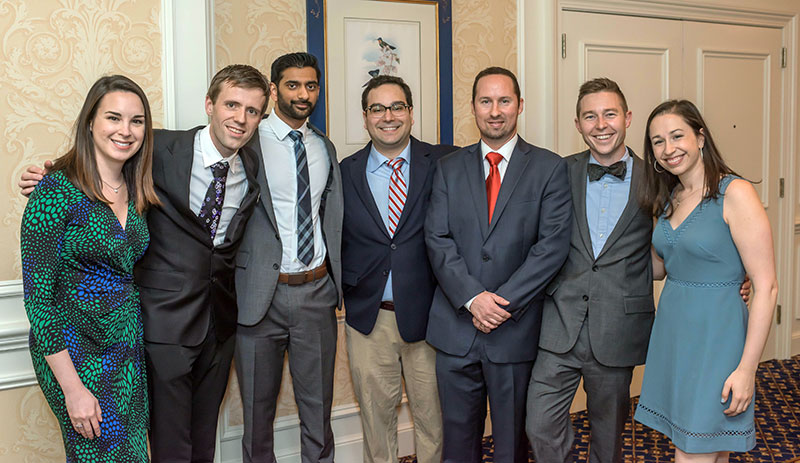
<point>598,310</point>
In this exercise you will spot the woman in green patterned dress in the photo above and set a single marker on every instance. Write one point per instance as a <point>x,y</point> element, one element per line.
<point>82,232</point>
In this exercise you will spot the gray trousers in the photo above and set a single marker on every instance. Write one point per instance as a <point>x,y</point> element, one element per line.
<point>302,322</point>
<point>552,387</point>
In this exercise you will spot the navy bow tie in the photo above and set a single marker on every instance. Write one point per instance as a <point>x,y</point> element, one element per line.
<point>596,171</point>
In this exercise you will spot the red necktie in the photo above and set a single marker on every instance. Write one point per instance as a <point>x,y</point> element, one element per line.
<point>493,180</point>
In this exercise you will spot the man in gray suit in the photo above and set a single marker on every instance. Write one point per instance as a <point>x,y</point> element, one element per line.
<point>598,311</point>
<point>289,270</point>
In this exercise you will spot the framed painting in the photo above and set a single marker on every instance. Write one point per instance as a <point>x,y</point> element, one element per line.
<point>360,39</point>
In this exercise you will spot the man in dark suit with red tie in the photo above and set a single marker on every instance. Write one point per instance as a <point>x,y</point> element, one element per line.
<point>497,231</point>
<point>387,281</point>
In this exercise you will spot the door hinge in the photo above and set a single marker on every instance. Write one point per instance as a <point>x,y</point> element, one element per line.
<point>781,186</point>
<point>784,54</point>
<point>778,314</point>
<point>564,46</point>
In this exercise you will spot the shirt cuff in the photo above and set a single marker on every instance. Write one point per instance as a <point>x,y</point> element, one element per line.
<point>468,304</point>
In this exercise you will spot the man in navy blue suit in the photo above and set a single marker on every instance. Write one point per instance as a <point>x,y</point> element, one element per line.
<point>497,231</point>
<point>386,278</point>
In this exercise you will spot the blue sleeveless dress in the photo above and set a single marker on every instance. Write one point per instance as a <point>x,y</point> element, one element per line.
<point>698,335</point>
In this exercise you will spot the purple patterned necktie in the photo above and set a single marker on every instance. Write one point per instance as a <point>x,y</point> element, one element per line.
<point>211,209</point>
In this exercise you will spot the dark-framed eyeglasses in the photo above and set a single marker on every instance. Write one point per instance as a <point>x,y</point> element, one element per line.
<point>397,108</point>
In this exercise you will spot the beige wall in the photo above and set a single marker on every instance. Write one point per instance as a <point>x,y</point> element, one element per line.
<point>51,53</point>
<point>257,32</point>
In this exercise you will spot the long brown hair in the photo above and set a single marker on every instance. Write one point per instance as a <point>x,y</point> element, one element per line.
<point>80,165</point>
<point>655,194</point>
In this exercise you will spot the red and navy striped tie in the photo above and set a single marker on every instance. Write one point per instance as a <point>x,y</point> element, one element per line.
<point>397,193</point>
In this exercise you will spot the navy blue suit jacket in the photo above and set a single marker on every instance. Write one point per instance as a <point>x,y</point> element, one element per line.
<point>514,256</point>
<point>368,252</point>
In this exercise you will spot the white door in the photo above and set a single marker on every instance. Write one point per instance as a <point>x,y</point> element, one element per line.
<point>732,72</point>
<point>647,69</point>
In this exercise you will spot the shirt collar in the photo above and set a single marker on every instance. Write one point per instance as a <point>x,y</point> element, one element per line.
<point>376,159</point>
<point>282,129</point>
<point>211,154</point>
<point>504,150</point>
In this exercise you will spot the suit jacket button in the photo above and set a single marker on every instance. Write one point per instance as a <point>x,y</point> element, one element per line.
<point>386,273</point>
<point>486,258</point>
<point>276,266</point>
<point>393,246</point>
<point>213,279</point>
<point>594,268</point>
<point>585,297</point>
<point>277,236</point>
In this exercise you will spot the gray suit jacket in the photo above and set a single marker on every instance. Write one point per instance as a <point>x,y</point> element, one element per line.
<point>258,262</point>
<point>614,290</point>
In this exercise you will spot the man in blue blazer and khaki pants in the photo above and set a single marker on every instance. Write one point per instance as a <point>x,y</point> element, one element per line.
<point>497,231</point>
<point>387,281</point>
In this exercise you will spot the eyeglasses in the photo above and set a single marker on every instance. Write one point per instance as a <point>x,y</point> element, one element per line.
<point>397,108</point>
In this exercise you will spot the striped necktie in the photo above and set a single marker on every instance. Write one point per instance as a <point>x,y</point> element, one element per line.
<point>397,193</point>
<point>305,228</point>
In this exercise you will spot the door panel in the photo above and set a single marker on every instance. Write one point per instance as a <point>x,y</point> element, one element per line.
<point>647,70</point>
<point>733,74</point>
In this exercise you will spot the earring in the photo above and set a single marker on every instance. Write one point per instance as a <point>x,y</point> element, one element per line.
<point>655,167</point>
<point>701,153</point>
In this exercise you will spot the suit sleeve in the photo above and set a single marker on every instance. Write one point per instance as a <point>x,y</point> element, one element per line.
<point>548,254</point>
<point>448,265</point>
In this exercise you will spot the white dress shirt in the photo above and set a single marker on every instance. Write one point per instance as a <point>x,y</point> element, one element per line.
<point>505,151</point>
<point>281,169</point>
<point>206,155</point>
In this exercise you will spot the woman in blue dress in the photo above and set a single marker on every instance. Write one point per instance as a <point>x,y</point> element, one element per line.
<point>705,346</point>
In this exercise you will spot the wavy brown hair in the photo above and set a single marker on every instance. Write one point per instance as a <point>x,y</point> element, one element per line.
<point>655,194</point>
<point>80,165</point>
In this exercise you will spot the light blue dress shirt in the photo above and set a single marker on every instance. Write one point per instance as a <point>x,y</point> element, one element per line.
<point>605,200</point>
<point>378,175</point>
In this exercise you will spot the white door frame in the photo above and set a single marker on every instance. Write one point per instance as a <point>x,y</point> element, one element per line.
<point>539,26</point>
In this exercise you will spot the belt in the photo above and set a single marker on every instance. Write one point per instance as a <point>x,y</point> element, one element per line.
<point>387,305</point>
<point>294,279</point>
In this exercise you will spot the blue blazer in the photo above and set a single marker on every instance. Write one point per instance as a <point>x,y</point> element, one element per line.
<point>515,256</point>
<point>368,252</point>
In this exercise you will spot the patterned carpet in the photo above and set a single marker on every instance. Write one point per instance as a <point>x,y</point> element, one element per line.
<point>777,424</point>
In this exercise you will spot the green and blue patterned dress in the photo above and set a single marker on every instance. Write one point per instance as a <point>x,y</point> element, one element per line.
<point>77,269</point>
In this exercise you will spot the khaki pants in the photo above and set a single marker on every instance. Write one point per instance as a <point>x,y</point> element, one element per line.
<point>378,364</point>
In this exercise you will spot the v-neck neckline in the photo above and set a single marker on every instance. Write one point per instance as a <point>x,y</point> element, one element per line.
<point>127,216</point>
<point>686,219</point>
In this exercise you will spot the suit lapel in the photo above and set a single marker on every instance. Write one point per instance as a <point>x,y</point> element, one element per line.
<point>473,167</point>
<point>514,170</point>
<point>358,177</point>
<point>261,178</point>
<point>418,173</point>
<point>578,187</point>
<point>631,208</point>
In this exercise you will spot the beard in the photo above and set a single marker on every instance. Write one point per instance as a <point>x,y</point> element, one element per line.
<point>288,108</point>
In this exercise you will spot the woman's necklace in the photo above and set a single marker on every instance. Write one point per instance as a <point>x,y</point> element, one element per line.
<point>116,190</point>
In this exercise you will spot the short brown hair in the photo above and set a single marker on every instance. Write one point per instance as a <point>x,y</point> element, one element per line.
<point>239,75</point>
<point>600,84</point>
<point>496,70</point>
<point>80,165</point>
<point>378,81</point>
